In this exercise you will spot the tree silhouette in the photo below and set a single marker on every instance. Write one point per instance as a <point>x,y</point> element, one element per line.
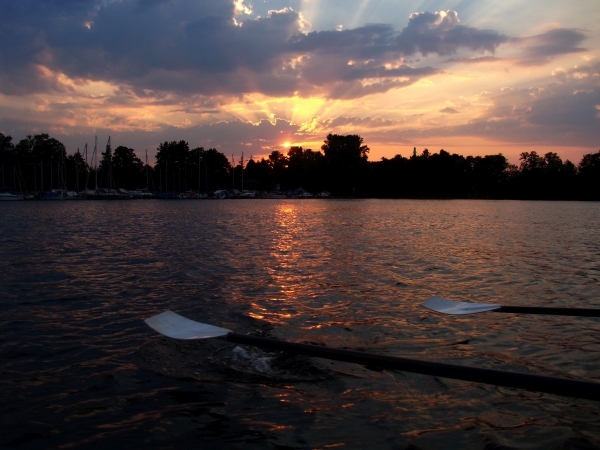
<point>127,168</point>
<point>346,157</point>
<point>341,167</point>
<point>305,169</point>
<point>42,157</point>
<point>278,164</point>
<point>589,176</point>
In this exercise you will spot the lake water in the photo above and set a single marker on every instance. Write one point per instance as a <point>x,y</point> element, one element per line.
<point>79,368</point>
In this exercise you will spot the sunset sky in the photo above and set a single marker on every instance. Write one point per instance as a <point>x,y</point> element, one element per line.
<point>471,77</point>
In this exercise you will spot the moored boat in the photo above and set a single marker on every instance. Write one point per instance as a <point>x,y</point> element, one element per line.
<point>10,196</point>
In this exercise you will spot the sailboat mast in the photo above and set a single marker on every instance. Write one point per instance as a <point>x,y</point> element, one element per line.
<point>87,171</point>
<point>147,185</point>
<point>34,171</point>
<point>21,180</point>
<point>95,159</point>
<point>109,161</point>
<point>76,184</point>
<point>62,176</point>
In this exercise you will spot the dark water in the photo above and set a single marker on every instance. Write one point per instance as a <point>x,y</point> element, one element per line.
<point>79,368</point>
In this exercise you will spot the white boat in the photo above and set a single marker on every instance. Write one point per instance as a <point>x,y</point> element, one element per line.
<point>9,196</point>
<point>220,194</point>
<point>301,193</point>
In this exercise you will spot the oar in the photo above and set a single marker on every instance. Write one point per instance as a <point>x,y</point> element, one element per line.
<point>446,306</point>
<point>175,326</point>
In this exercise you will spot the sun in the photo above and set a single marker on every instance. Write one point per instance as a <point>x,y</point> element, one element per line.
<point>287,144</point>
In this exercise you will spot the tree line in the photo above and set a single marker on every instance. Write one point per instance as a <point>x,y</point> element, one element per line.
<point>341,167</point>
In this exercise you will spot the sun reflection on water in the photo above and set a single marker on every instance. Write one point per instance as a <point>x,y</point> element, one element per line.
<point>283,266</point>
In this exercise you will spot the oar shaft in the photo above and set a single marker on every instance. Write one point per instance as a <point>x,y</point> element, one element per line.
<point>558,386</point>
<point>585,312</point>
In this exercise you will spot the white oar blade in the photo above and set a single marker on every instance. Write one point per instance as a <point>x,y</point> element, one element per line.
<point>445,306</point>
<point>178,327</point>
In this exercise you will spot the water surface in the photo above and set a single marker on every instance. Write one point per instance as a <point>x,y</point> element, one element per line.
<point>79,368</point>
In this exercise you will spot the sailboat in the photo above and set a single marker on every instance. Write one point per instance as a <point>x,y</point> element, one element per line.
<point>10,196</point>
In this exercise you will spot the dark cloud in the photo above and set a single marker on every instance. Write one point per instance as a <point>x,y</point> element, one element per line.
<point>449,110</point>
<point>473,60</point>
<point>440,33</point>
<point>190,47</point>
<point>586,73</point>
<point>542,48</point>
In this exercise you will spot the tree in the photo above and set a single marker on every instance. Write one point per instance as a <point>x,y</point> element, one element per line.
<point>196,169</point>
<point>77,170</point>
<point>258,175</point>
<point>8,160</point>
<point>389,177</point>
<point>7,148</point>
<point>278,163</point>
<point>531,161</point>
<point>305,169</point>
<point>347,160</point>
<point>445,175</point>
<point>171,158</point>
<point>488,175</point>
<point>127,168</point>
<point>217,169</point>
<point>106,179</point>
<point>42,158</point>
<point>588,173</point>
<point>589,166</point>
<point>172,153</point>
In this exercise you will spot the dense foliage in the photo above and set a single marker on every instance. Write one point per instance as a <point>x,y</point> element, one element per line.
<point>341,167</point>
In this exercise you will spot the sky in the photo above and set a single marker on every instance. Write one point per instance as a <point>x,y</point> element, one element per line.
<point>473,77</point>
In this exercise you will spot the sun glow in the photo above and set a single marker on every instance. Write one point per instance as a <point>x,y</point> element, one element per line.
<point>287,144</point>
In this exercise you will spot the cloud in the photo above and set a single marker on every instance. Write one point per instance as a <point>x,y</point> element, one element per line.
<point>228,136</point>
<point>562,113</point>
<point>216,47</point>
<point>587,72</point>
<point>357,122</point>
<point>473,60</point>
<point>442,34</point>
<point>542,48</point>
<point>449,110</point>
<point>565,113</point>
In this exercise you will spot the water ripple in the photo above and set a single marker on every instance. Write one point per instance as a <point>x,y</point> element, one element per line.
<point>79,367</point>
